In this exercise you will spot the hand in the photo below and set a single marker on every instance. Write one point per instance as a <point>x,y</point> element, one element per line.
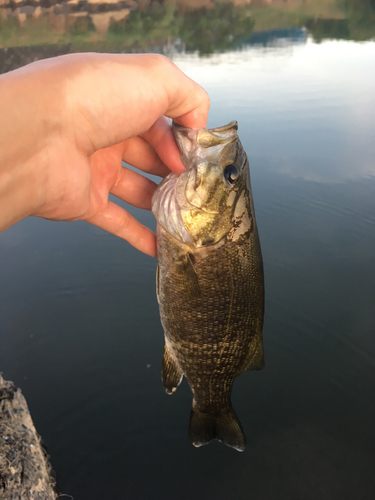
<point>69,122</point>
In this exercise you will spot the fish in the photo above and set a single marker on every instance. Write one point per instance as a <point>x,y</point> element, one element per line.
<point>210,281</point>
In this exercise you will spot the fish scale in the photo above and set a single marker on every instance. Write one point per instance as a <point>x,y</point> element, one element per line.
<point>210,285</point>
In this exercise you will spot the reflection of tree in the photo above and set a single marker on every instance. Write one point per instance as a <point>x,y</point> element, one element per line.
<point>359,22</point>
<point>361,18</point>
<point>218,26</point>
<point>222,28</point>
<point>15,57</point>
<point>328,28</point>
<point>206,30</point>
<point>159,22</point>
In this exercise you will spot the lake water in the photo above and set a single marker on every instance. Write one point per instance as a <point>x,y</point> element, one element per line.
<point>80,330</point>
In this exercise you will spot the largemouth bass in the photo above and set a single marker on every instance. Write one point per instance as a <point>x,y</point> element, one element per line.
<point>210,284</point>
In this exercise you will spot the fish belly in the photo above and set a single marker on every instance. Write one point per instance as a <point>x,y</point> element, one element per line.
<point>212,311</point>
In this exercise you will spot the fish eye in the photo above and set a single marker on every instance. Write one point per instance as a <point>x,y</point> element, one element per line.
<point>231,173</point>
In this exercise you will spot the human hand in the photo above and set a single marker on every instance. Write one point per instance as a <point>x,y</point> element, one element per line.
<point>69,122</point>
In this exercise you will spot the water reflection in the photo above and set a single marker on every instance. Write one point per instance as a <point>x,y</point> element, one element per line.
<point>80,331</point>
<point>185,25</point>
<point>303,105</point>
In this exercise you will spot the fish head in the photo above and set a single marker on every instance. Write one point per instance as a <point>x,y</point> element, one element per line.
<point>211,198</point>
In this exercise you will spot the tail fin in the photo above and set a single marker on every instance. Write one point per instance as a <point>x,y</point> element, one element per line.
<point>225,427</point>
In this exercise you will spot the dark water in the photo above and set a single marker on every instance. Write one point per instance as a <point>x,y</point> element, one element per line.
<point>80,331</point>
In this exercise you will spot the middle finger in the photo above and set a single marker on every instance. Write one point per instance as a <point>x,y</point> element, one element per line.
<point>134,188</point>
<point>140,154</point>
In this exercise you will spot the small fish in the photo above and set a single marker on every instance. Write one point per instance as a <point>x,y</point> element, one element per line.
<point>210,284</point>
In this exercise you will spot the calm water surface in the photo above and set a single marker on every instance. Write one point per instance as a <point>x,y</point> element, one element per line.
<point>80,331</point>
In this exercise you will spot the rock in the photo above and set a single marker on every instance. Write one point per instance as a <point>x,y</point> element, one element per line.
<point>25,472</point>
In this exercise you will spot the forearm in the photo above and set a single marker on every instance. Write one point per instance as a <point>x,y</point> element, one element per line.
<point>24,136</point>
<point>17,193</point>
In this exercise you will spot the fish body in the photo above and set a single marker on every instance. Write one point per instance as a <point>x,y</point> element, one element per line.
<point>210,284</point>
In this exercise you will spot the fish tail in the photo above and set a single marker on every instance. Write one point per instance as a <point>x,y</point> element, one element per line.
<point>226,427</point>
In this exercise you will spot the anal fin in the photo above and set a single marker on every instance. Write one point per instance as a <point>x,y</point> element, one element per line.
<point>255,360</point>
<point>171,372</point>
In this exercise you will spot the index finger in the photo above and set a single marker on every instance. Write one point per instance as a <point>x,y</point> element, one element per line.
<point>112,97</point>
<point>161,137</point>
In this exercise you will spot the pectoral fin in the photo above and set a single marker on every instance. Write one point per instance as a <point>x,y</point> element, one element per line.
<point>192,274</point>
<point>171,372</point>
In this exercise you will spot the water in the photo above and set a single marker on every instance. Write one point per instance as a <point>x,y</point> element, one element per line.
<point>80,331</point>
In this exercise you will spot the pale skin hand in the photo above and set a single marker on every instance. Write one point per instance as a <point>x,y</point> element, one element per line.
<point>67,124</point>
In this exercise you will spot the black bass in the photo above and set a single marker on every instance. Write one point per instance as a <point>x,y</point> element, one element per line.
<point>210,284</point>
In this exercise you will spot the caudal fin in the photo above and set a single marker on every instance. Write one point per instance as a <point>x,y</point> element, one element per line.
<point>204,427</point>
